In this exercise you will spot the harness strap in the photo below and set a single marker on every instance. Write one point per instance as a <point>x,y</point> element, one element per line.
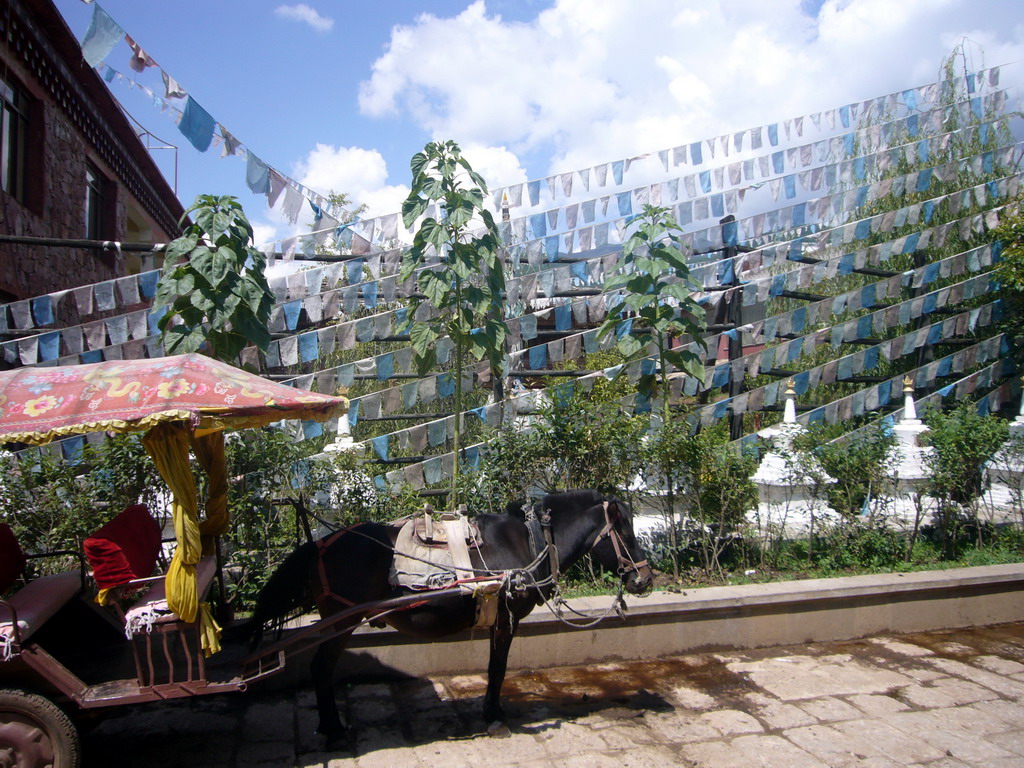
<point>324,591</point>
<point>608,531</point>
<point>538,528</point>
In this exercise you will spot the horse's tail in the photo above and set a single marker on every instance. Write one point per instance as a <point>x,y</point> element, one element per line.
<point>288,591</point>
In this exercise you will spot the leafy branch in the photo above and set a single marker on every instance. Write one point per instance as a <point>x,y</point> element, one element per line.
<point>465,288</point>
<point>213,284</point>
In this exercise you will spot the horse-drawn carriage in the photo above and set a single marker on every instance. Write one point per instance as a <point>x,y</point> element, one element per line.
<point>63,654</point>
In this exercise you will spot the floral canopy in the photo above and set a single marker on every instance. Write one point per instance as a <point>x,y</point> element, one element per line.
<point>183,404</point>
<point>40,404</point>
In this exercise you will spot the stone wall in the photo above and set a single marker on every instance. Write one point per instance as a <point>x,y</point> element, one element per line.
<point>81,125</point>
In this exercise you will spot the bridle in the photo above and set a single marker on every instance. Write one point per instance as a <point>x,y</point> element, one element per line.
<point>609,531</point>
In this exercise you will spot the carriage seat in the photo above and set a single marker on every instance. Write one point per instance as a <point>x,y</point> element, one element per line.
<point>152,608</point>
<point>124,550</point>
<point>22,614</point>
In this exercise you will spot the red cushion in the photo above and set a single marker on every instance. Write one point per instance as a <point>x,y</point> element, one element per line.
<point>126,548</point>
<point>12,559</point>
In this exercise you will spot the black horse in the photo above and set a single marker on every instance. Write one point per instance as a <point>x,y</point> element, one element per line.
<point>352,568</point>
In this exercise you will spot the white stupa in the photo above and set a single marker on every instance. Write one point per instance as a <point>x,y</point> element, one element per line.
<point>343,442</point>
<point>908,460</point>
<point>788,481</point>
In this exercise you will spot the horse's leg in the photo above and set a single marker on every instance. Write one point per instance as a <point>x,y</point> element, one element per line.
<point>502,632</point>
<point>325,660</point>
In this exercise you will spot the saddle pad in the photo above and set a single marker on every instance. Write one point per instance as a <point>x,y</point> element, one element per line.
<point>417,565</point>
<point>421,566</point>
<point>451,527</point>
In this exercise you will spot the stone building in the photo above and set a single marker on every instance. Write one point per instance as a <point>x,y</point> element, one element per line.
<point>71,164</point>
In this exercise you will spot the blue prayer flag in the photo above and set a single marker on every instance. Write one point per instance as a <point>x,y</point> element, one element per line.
<point>625,203</point>
<point>197,125</point>
<point>370,294</point>
<point>867,296</point>
<point>72,449</point>
<point>49,346</point>
<point>539,357</point>
<point>563,317</point>
<point>717,205</point>
<point>617,171</point>
<point>799,320</point>
<point>730,233</point>
<point>848,143</point>
<point>291,310</point>
<point>257,174</point>
<point>446,385</point>
<point>728,272</point>
<point>533,189</point>
<point>924,180</point>
<point>551,248</point>
<point>309,347</point>
<point>796,348</point>
<point>101,37</point>
<point>380,446</point>
<point>642,403</point>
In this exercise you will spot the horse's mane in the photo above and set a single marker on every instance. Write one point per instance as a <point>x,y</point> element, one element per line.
<point>583,498</point>
<point>587,496</point>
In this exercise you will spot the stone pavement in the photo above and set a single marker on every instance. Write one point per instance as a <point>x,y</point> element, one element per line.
<point>941,699</point>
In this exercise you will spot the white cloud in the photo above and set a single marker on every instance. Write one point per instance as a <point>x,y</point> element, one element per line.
<point>587,81</point>
<point>263,233</point>
<point>305,14</point>
<point>360,173</point>
<point>498,165</point>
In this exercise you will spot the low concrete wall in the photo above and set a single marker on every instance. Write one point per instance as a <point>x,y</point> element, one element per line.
<point>716,618</point>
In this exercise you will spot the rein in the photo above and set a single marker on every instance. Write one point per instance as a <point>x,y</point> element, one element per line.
<point>626,563</point>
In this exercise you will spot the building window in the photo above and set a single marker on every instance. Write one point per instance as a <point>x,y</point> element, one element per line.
<point>95,203</point>
<point>14,140</point>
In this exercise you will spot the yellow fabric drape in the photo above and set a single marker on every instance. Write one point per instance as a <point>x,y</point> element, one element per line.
<point>168,444</point>
<point>209,450</point>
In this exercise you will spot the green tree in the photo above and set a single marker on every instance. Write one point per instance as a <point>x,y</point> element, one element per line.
<point>213,284</point>
<point>963,441</point>
<point>465,289</point>
<point>657,309</point>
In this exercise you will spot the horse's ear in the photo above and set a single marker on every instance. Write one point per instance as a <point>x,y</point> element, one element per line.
<point>613,510</point>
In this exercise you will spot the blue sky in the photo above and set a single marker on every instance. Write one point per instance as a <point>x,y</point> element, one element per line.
<point>340,94</point>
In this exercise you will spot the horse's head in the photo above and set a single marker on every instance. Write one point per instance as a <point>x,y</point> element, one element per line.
<point>616,548</point>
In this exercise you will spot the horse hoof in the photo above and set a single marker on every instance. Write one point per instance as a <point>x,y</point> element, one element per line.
<point>335,741</point>
<point>498,730</point>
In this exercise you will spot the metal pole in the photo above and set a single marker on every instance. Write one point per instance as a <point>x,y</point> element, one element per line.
<point>736,318</point>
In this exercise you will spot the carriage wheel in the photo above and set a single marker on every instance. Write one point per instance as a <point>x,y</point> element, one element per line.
<point>35,733</point>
